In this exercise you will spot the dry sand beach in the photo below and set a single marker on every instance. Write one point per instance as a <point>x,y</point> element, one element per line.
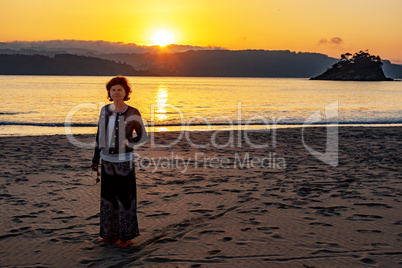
<point>225,209</point>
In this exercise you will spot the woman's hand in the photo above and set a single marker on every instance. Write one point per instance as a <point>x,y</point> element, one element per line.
<point>94,166</point>
<point>124,143</point>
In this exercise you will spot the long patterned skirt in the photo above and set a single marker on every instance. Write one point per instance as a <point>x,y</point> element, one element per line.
<point>118,206</point>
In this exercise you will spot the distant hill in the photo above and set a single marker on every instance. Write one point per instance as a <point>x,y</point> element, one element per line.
<point>208,63</point>
<point>62,64</point>
<point>241,63</point>
<point>392,70</point>
<point>361,67</point>
<point>228,63</point>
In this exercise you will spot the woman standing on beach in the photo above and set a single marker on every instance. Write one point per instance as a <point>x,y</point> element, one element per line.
<point>114,144</point>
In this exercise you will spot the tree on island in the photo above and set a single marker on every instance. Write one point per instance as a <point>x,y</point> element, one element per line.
<point>361,67</point>
<point>346,56</point>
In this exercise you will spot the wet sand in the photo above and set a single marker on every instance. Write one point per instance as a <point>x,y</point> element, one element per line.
<point>236,206</point>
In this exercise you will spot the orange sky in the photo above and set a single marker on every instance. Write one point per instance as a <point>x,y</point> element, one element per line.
<point>324,26</point>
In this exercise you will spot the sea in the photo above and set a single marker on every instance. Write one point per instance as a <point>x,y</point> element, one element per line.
<point>51,105</point>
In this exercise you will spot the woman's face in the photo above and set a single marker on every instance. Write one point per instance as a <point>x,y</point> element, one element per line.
<point>117,93</point>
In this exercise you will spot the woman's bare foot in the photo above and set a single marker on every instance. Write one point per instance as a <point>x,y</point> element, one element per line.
<point>103,240</point>
<point>123,244</point>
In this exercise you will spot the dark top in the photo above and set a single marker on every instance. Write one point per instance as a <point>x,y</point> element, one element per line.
<point>126,123</point>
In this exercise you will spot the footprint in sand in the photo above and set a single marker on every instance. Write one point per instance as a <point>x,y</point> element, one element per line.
<point>211,232</point>
<point>372,205</point>
<point>368,261</point>
<point>369,231</point>
<point>227,238</point>
<point>202,211</point>
<point>268,229</point>
<point>144,203</point>
<point>19,202</point>
<point>17,219</point>
<point>215,251</point>
<point>21,179</point>
<point>325,244</point>
<point>363,217</point>
<point>170,196</point>
<point>276,236</point>
<point>191,238</point>
<point>40,205</point>
<point>44,230</point>
<point>64,219</point>
<point>158,214</point>
<point>251,221</point>
<point>320,223</point>
<point>92,217</point>
<point>19,230</point>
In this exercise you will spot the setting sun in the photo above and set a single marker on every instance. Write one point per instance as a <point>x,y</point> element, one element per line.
<point>162,38</point>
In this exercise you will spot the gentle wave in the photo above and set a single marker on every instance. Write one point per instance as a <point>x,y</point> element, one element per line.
<point>46,124</point>
<point>282,123</point>
<point>14,113</point>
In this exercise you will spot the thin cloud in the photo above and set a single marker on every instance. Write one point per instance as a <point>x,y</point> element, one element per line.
<point>336,40</point>
<point>97,47</point>
<point>323,41</point>
<point>332,41</point>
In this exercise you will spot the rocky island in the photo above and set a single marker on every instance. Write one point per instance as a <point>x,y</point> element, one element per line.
<point>360,67</point>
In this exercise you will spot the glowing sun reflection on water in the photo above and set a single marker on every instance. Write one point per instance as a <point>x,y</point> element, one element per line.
<point>161,103</point>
